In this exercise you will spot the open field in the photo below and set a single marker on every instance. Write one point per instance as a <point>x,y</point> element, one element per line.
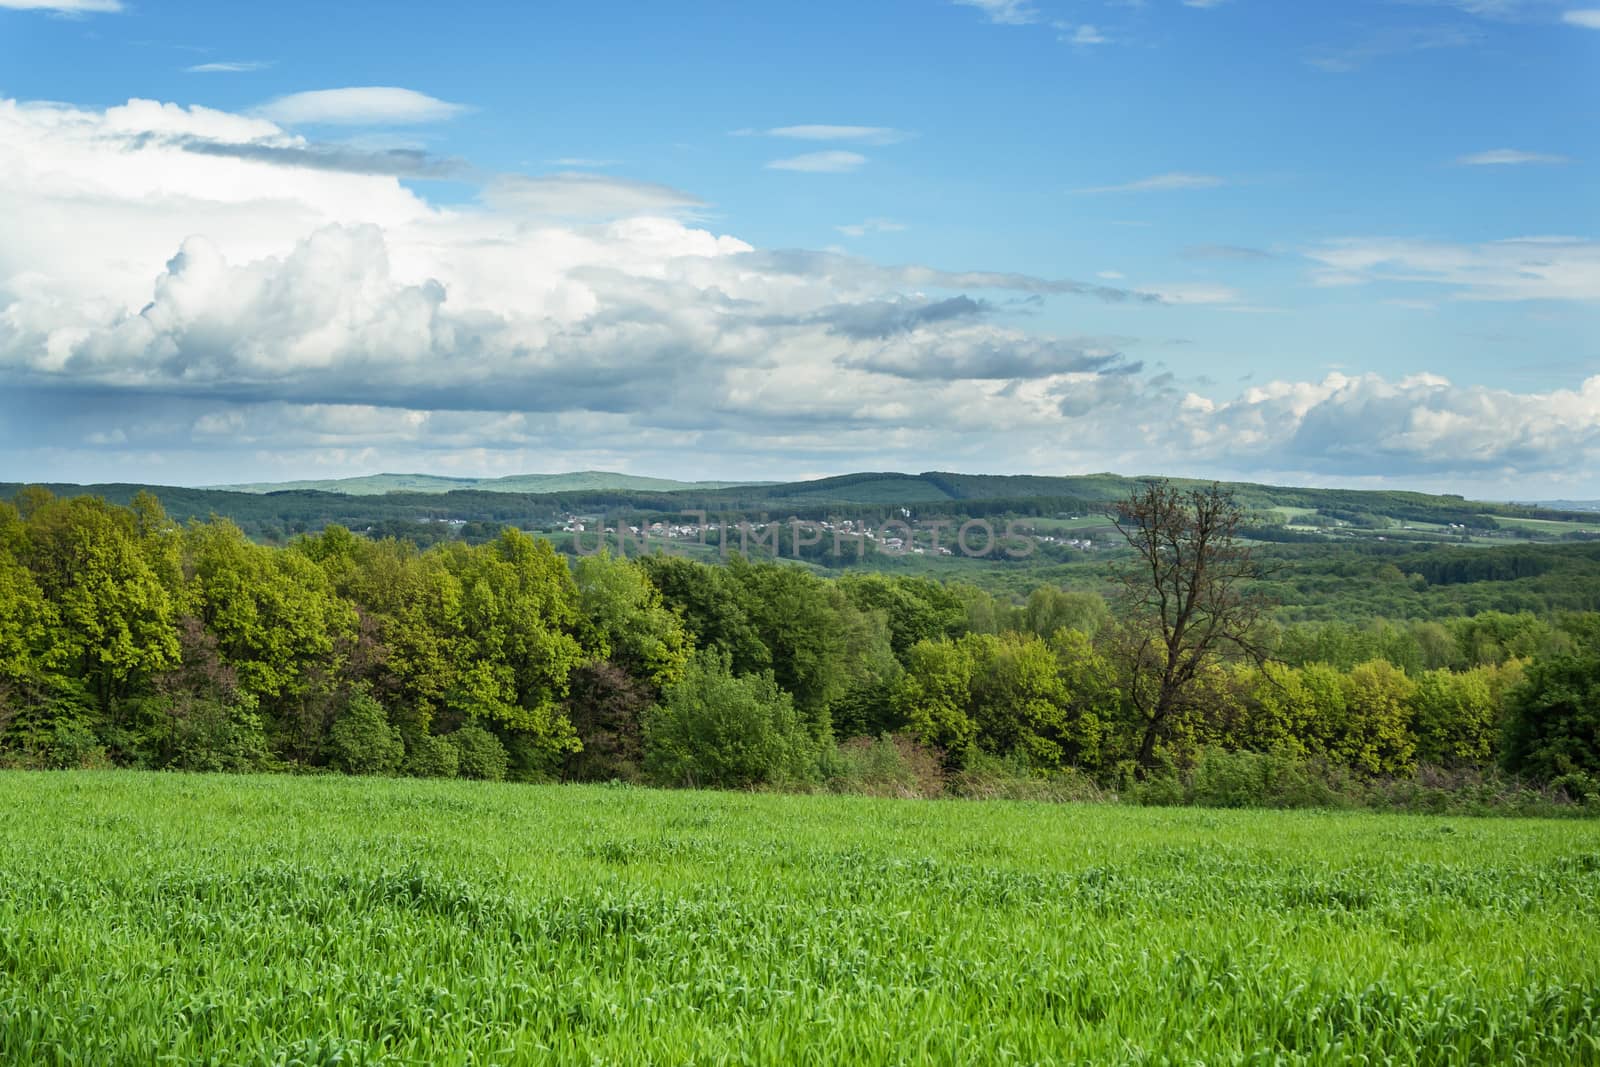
<point>148,918</point>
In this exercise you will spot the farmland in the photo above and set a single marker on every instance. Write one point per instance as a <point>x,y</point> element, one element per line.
<point>276,920</point>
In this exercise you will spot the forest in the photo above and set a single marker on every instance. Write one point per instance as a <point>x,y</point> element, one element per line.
<point>128,639</point>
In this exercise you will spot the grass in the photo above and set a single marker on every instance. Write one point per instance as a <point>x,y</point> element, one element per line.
<point>258,920</point>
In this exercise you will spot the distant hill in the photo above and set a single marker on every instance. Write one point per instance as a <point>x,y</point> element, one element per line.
<point>1570,505</point>
<point>573,481</point>
<point>427,507</point>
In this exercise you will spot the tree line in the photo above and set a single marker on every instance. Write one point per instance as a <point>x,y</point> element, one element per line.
<point>127,639</point>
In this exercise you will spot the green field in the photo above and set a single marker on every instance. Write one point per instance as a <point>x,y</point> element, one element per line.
<point>255,920</point>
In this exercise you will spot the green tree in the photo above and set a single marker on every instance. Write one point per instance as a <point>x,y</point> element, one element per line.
<point>625,621</point>
<point>1553,720</point>
<point>713,728</point>
<point>1376,734</point>
<point>714,606</point>
<point>480,754</point>
<point>116,617</point>
<point>362,739</point>
<point>274,614</point>
<point>1454,717</point>
<point>934,697</point>
<point>1050,609</point>
<point>519,617</point>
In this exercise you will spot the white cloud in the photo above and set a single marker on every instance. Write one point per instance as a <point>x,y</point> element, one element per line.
<point>1508,157</point>
<point>1422,423</point>
<point>1193,293</point>
<point>1524,268</point>
<point>832,162</point>
<point>65,7</point>
<point>861,229</point>
<point>1005,12</point>
<point>360,106</point>
<point>1162,183</point>
<point>1588,18</point>
<point>232,67</point>
<point>587,196</point>
<point>1392,41</point>
<point>171,315</point>
<point>1086,35</point>
<point>863,134</point>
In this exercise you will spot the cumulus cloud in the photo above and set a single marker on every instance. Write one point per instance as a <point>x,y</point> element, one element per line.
<point>1418,424</point>
<point>374,105</point>
<point>193,295</point>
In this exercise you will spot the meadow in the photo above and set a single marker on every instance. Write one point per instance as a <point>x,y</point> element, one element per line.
<point>160,918</point>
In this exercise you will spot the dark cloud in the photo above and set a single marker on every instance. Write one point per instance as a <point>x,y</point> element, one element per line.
<point>343,159</point>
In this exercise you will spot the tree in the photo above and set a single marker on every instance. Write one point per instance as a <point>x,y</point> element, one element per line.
<point>1377,735</point>
<point>1185,597</point>
<point>1553,719</point>
<point>713,728</point>
<point>624,620</point>
<point>362,739</point>
<point>116,617</point>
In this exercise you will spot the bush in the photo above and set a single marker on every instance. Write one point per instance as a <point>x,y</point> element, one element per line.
<point>988,777</point>
<point>362,740</point>
<point>1261,780</point>
<point>714,729</point>
<point>1553,719</point>
<point>432,757</point>
<point>482,756</point>
<point>606,706</point>
<point>893,765</point>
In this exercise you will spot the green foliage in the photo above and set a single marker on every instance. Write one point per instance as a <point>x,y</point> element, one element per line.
<point>1455,717</point>
<point>363,741</point>
<point>115,617</point>
<point>715,728</point>
<point>892,765</point>
<point>1223,779</point>
<point>519,615</point>
<point>428,756</point>
<point>626,622</point>
<point>1375,734</point>
<point>1050,609</point>
<point>481,755</point>
<point>1553,719</point>
<point>125,639</point>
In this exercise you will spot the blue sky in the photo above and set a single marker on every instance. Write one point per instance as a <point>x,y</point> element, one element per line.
<point>1324,242</point>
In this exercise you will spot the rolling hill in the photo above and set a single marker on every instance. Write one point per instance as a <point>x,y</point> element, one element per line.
<point>379,484</point>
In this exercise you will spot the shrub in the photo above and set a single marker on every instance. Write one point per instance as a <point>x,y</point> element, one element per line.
<point>482,756</point>
<point>989,777</point>
<point>1263,780</point>
<point>712,728</point>
<point>1553,719</point>
<point>888,765</point>
<point>432,757</point>
<point>362,740</point>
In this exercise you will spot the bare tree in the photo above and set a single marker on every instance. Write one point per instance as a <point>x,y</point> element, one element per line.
<point>1186,598</point>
